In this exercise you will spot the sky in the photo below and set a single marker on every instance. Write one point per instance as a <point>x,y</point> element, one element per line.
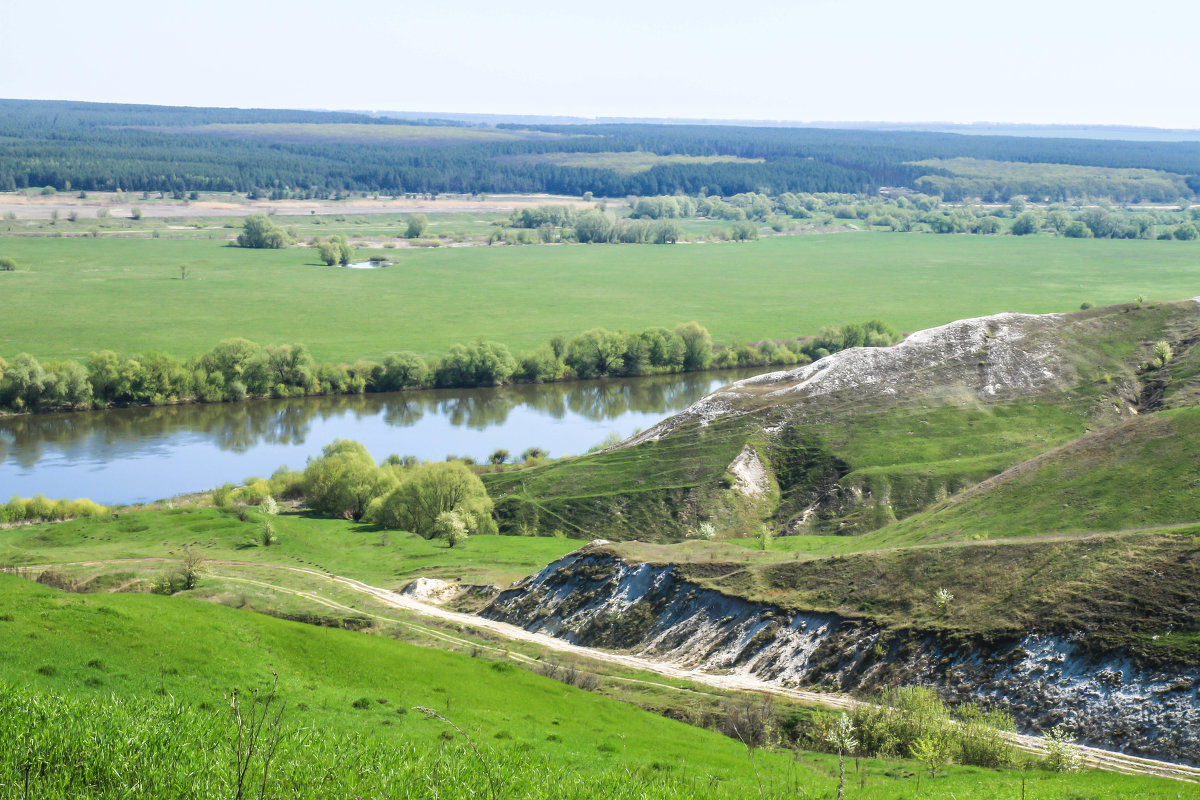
<point>1043,62</point>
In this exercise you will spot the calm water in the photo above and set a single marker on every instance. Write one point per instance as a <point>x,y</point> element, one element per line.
<point>138,455</point>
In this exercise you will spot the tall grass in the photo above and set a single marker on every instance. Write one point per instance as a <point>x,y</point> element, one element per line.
<point>55,747</point>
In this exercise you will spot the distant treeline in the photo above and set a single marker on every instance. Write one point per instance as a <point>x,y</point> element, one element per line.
<point>237,368</point>
<point>653,219</point>
<point>94,147</point>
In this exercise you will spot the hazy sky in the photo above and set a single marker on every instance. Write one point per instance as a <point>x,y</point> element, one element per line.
<point>1043,61</point>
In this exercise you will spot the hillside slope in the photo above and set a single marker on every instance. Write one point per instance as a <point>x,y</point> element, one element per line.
<point>864,437</point>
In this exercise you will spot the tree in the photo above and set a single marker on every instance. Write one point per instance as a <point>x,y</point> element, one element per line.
<point>191,567</point>
<point>417,223</point>
<point>841,736</point>
<point>23,384</point>
<point>135,213</point>
<point>329,252</point>
<point>1062,754</point>
<point>1025,224</point>
<point>258,231</point>
<point>1186,232</point>
<point>344,480</point>
<point>7,264</point>
<point>335,251</point>
<point>450,526</point>
<point>697,346</point>
<point>1077,230</point>
<point>667,232</point>
<point>934,748</point>
<point>500,456</point>
<point>428,490</point>
<point>593,227</point>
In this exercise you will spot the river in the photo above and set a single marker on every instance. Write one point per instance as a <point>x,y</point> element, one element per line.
<point>138,455</point>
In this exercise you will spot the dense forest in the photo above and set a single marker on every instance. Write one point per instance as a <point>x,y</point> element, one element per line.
<point>94,147</point>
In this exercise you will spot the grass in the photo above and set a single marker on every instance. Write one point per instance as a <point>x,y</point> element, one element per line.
<point>1047,173</point>
<point>628,163</point>
<point>383,558</point>
<point>126,295</point>
<point>356,133</point>
<point>123,696</point>
<point>1126,589</point>
<point>1139,474</point>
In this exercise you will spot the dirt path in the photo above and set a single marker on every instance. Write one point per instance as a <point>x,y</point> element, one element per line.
<point>1095,757</point>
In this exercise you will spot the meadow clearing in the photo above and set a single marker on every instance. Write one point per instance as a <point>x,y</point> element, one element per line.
<point>71,296</point>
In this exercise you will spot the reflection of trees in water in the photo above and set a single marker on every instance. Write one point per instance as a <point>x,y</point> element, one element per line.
<point>400,411</point>
<point>107,435</point>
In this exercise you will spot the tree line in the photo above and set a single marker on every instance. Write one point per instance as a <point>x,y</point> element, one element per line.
<point>94,147</point>
<point>237,368</point>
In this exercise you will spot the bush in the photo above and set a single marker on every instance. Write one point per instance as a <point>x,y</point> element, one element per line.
<point>450,526</point>
<point>223,495</point>
<point>7,264</point>
<point>1062,754</point>
<point>261,233</point>
<point>428,490</point>
<point>344,480</point>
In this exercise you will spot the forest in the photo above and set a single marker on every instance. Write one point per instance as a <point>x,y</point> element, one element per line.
<point>74,146</point>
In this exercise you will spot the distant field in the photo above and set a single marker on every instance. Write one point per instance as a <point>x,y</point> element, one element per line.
<point>629,163</point>
<point>72,295</point>
<point>363,134</point>
<point>983,168</point>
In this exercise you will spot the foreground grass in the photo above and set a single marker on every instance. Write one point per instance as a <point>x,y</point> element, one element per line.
<point>777,287</point>
<point>123,696</point>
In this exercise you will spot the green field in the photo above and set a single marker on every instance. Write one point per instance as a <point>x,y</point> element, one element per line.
<point>628,163</point>
<point>73,296</point>
<point>381,557</point>
<point>351,132</point>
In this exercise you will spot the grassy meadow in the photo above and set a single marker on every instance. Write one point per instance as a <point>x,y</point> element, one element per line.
<point>107,695</point>
<point>74,295</point>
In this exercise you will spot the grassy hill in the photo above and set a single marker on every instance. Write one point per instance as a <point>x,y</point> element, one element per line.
<point>105,696</point>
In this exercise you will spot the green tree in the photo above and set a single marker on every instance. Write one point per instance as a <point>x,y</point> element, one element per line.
<point>450,526</point>
<point>329,252</point>
<point>417,223</point>
<point>667,232</point>
<point>23,384</point>
<point>427,490</point>
<point>593,227</point>
<point>499,456</point>
<point>344,480</point>
<point>697,346</point>
<point>1025,224</point>
<point>841,736</point>
<point>402,370</point>
<point>7,264</point>
<point>258,231</point>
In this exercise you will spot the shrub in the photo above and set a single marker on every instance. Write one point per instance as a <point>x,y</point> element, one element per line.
<point>1062,754</point>
<point>7,264</point>
<point>344,480</point>
<point>222,495</point>
<point>449,526</point>
<point>260,232</point>
<point>428,490</point>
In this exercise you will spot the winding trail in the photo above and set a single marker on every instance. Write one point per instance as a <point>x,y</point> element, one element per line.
<point>1094,757</point>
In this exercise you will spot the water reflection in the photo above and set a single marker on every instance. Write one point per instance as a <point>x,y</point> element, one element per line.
<point>158,452</point>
